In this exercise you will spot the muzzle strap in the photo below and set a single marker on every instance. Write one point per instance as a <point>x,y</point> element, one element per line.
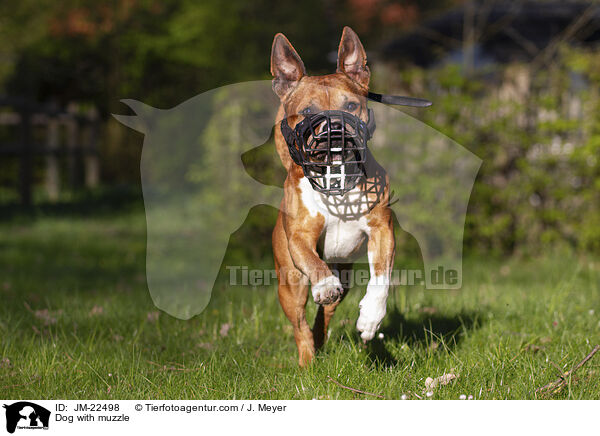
<point>290,137</point>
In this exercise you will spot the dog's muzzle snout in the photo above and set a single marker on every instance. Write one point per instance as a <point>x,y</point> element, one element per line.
<point>331,148</point>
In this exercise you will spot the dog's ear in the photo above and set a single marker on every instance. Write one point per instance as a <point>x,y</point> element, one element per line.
<point>352,59</point>
<point>286,66</point>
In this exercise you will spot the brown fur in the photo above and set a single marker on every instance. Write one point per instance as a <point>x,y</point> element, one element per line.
<point>296,232</point>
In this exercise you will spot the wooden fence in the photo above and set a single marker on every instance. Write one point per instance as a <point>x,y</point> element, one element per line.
<point>70,134</point>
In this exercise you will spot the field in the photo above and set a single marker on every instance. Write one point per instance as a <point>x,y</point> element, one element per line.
<point>77,322</point>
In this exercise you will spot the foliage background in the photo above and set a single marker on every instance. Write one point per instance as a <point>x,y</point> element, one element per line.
<point>534,122</point>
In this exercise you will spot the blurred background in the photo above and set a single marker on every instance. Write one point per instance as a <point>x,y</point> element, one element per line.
<point>515,82</point>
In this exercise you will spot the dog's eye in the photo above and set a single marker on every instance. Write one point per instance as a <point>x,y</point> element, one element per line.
<point>307,111</point>
<point>351,106</point>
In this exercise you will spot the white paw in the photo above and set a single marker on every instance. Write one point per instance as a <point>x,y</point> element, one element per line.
<point>327,290</point>
<point>372,311</point>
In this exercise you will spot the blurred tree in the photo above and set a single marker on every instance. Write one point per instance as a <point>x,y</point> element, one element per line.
<point>536,126</point>
<point>21,24</point>
<point>161,52</point>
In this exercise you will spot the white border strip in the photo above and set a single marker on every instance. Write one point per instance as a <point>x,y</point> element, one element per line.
<point>315,417</point>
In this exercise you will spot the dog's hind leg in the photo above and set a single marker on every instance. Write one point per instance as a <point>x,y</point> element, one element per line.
<point>293,295</point>
<point>325,311</point>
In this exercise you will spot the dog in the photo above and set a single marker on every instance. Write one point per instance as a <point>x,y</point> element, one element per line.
<point>337,219</point>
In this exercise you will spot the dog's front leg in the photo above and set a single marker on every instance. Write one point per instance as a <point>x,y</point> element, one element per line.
<point>303,237</point>
<point>381,249</point>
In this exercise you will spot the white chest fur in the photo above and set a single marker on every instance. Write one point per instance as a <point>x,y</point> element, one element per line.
<point>346,227</point>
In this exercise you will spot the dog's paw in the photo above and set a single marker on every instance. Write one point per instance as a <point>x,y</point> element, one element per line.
<point>328,290</point>
<point>372,311</point>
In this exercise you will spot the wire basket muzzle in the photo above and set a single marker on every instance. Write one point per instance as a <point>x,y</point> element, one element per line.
<point>333,150</point>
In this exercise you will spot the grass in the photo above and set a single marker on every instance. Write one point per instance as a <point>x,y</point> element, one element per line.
<point>77,322</point>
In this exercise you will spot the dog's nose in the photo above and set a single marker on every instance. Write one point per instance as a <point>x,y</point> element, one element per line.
<point>335,126</point>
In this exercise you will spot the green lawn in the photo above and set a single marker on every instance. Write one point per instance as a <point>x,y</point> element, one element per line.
<point>77,321</point>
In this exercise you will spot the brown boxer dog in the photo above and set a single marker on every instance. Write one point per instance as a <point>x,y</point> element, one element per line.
<point>336,225</point>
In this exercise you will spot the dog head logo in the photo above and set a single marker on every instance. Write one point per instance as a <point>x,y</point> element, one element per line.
<point>26,415</point>
<point>198,191</point>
